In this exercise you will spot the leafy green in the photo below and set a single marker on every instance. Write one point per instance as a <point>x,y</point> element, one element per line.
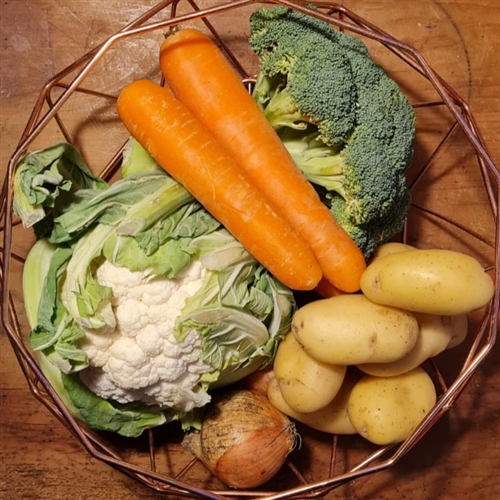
<point>128,420</point>
<point>45,181</point>
<point>136,159</point>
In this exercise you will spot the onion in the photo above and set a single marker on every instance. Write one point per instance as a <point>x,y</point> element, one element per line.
<point>244,440</point>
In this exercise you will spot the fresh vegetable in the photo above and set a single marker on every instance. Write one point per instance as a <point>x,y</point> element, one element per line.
<point>306,384</point>
<point>325,289</point>
<point>46,180</point>
<point>174,137</point>
<point>244,440</point>
<point>434,336</point>
<point>434,281</point>
<point>140,303</point>
<point>349,329</point>
<point>387,410</point>
<point>346,124</point>
<point>333,418</point>
<point>257,381</point>
<point>202,78</point>
<point>459,329</point>
<point>388,248</point>
<point>136,159</point>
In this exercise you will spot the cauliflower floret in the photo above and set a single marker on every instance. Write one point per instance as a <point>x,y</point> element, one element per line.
<point>97,343</point>
<point>140,360</point>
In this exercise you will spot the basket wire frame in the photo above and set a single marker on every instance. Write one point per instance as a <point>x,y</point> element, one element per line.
<point>342,18</point>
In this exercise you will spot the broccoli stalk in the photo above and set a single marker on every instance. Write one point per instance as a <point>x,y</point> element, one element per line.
<point>278,105</point>
<point>323,165</point>
<point>346,124</point>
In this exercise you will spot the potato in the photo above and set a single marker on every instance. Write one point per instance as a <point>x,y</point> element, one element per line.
<point>387,410</point>
<point>434,336</point>
<point>305,383</point>
<point>389,248</point>
<point>459,328</point>
<point>433,281</point>
<point>350,329</point>
<point>332,418</point>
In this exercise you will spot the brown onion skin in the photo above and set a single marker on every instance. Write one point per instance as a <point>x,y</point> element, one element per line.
<point>244,440</point>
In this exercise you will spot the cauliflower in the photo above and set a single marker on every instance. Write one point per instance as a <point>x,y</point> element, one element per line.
<point>140,302</point>
<point>140,360</point>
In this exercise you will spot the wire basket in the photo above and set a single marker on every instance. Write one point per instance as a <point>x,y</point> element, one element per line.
<point>77,105</point>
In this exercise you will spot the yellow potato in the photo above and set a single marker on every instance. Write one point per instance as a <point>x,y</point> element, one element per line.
<point>459,327</point>
<point>388,249</point>
<point>435,281</point>
<point>387,410</point>
<point>350,329</point>
<point>333,418</point>
<point>305,383</point>
<point>434,336</point>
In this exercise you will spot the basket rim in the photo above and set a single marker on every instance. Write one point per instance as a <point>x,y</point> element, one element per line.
<point>344,19</point>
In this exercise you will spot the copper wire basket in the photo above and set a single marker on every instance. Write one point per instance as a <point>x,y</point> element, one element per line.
<point>448,146</point>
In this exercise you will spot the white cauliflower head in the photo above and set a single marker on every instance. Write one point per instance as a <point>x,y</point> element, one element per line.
<point>140,360</point>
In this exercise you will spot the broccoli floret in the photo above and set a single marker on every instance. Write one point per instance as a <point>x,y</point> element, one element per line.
<point>370,235</point>
<point>290,89</point>
<point>346,124</point>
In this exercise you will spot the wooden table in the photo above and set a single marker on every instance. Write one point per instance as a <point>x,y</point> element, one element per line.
<point>459,459</point>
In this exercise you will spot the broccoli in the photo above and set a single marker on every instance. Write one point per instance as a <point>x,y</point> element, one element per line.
<point>346,124</point>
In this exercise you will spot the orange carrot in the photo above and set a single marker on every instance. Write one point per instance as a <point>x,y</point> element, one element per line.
<point>189,153</point>
<point>202,78</point>
<point>326,290</point>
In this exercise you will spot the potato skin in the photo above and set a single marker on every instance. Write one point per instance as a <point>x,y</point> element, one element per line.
<point>435,334</point>
<point>388,249</point>
<point>305,383</point>
<point>441,282</point>
<point>387,410</point>
<point>350,329</point>
<point>332,419</point>
<point>459,328</point>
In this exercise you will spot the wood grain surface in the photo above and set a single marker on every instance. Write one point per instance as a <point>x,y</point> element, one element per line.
<point>458,459</point>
